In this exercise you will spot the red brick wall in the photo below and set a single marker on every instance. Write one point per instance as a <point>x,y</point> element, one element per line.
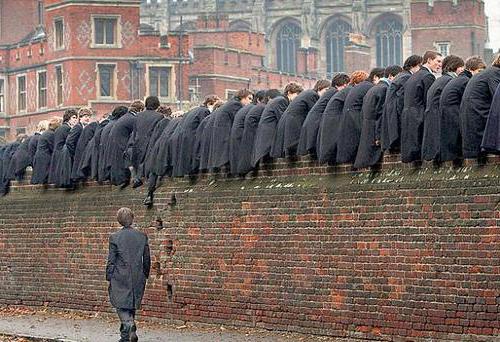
<point>12,13</point>
<point>247,41</point>
<point>238,55</point>
<point>447,23</point>
<point>445,13</point>
<point>78,60</point>
<point>357,57</point>
<point>245,69</point>
<point>309,249</point>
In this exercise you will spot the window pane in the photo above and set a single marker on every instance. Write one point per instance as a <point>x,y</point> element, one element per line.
<point>22,83</point>
<point>40,13</point>
<point>1,95</point>
<point>336,40</point>
<point>41,80</point>
<point>159,81</point>
<point>287,44</point>
<point>153,81</point>
<point>389,43</point>
<point>59,27</point>
<point>164,82</point>
<point>106,79</point>
<point>99,31</point>
<point>21,93</point>
<point>59,85</point>
<point>43,99</point>
<point>42,89</point>
<point>110,31</point>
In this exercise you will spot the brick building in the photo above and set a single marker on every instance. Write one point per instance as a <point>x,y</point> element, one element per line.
<point>107,52</point>
<point>56,54</point>
<point>225,60</point>
<point>385,31</point>
<point>403,254</point>
<point>456,27</point>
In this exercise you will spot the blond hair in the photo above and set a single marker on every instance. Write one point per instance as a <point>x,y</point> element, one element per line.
<point>54,123</point>
<point>496,61</point>
<point>85,111</point>
<point>42,126</point>
<point>125,217</point>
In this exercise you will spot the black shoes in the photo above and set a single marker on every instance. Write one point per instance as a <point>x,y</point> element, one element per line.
<point>133,335</point>
<point>137,183</point>
<point>124,185</point>
<point>148,201</point>
<point>128,333</point>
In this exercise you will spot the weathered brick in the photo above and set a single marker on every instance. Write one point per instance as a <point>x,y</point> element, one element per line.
<point>316,258</point>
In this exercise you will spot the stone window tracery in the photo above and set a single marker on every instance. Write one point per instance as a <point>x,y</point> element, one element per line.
<point>389,43</point>
<point>287,44</point>
<point>337,37</point>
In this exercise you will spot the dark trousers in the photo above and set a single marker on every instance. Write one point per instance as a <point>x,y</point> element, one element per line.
<point>152,183</point>
<point>127,317</point>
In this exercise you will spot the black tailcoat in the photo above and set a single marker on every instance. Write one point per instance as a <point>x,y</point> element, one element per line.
<point>236,136</point>
<point>89,165</point>
<point>310,127</point>
<point>350,131</point>
<point>20,160</point>
<point>369,150</point>
<point>3,187</point>
<point>128,267</point>
<point>151,153</point>
<point>199,145</point>
<point>68,154</point>
<point>251,123</point>
<point>163,164</point>
<point>391,117</point>
<point>432,119</point>
<point>491,139</point>
<point>6,173</point>
<point>475,108</point>
<point>120,138</point>
<point>206,142</point>
<point>33,146</point>
<point>43,155</point>
<point>191,122</point>
<point>412,119</point>
<point>175,148</point>
<point>104,164</point>
<point>221,134</point>
<point>84,140</point>
<point>450,135</point>
<point>60,136</point>
<point>329,127</point>
<point>290,125</point>
<point>266,131</point>
<point>144,125</point>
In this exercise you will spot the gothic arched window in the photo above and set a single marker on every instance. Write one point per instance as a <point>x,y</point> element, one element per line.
<point>389,41</point>
<point>337,37</point>
<point>240,25</point>
<point>287,43</point>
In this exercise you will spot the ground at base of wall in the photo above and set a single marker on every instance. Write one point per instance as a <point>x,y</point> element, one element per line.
<point>19,324</point>
<point>17,338</point>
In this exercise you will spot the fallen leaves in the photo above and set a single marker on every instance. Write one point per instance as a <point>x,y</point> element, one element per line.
<point>40,311</point>
<point>10,338</point>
